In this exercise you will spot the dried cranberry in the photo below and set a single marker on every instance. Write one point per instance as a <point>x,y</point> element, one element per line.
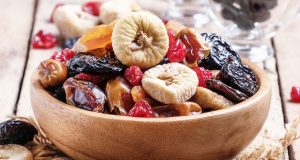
<point>92,8</point>
<point>141,109</point>
<point>177,49</point>
<point>43,40</point>
<point>202,75</point>
<point>63,56</point>
<point>54,9</point>
<point>96,79</point>
<point>295,94</point>
<point>133,75</point>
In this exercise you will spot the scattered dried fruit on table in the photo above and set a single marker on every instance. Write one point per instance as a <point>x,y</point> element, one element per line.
<point>232,94</point>
<point>92,7</point>
<point>140,39</point>
<point>119,97</point>
<point>52,73</point>
<point>295,94</point>
<point>203,75</point>
<point>133,75</point>
<point>177,50</point>
<point>239,76</point>
<point>219,53</point>
<point>54,9</point>
<point>211,100</point>
<point>83,63</point>
<point>64,56</point>
<point>14,152</point>
<point>175,26</point>
<point>16,132</point>
<point>84,95</point>
<point>69,43</point>
<point>170,83</point>
<point>181,109</point>
<point>43,40</point>
<point>141,109</point>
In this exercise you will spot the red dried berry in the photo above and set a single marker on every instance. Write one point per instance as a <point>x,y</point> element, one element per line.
<point>63,56</point>
<point>43,40</point>
<point>295,94</point>
<point>92,8</point>
<point>133,75</point>
<point>96,79</point>
<point>54,9</point>
<point>141,109</point>
<point>202,75</point>
<point>177,49</point>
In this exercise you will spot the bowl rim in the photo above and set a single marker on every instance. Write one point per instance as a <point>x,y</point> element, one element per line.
<point>264,89</point>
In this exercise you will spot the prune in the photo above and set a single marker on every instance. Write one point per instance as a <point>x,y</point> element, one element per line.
<point>232,94</point>
<point>239,76</point>
<point>84,63</point>
<point>219,54</point>
<point>84,95</point>
<point>69,43</point>
<point>58,92</point>
<point>16,132</point>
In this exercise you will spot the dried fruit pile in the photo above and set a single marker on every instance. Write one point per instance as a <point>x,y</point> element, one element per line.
<point>139,66</point>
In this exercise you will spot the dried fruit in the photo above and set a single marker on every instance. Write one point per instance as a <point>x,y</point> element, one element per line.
<point>64,56</point>
<point>295,94</point>
<point>239,76</point>
<point>177,49</point>
<point>96,79</point>
<point>52,73</point>
<point>59,92</point>
<point>119,95</point>
<point>69,43</point>
<point>208,99</point>
<point>202,75</point>
<point>141,109</point>
<point>16,132</point>
<point>14,152</point>
<point>138,93</point>
<point>72,22</point>
<point>54,9</point>
<point>92,7</point>
<point>133,75</point>
<point>43,40</point>
<point>84,95</point>
<point>98,37</point>
<point>227,91</point>
<point>140,39</point>
<point>83,63</point>
<point>170,83</point>
<point>219,54</point>
<point>175,26</point>
<point>196,46</point>
<point>181,109</point>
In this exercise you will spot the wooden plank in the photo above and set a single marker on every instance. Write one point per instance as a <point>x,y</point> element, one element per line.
<point>288,58</point>
<point>16,22</point>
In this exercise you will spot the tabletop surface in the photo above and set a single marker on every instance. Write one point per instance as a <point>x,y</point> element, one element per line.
<point>20,19</point>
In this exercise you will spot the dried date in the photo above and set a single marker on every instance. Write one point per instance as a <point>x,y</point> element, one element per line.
<point>225,90</point>
<point>219,54</point>
<point>84,63</point>
<point>16,132</point>
<point>239,76</point>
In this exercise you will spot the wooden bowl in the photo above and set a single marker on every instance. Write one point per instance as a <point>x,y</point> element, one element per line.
<point>85,135</point>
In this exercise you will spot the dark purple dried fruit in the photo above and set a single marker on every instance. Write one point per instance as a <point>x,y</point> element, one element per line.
<point>16,132</point>
<point>219,54</point>
<point>69,43</point>
<point>239,76</point>
<point>225,90</point>
<point>58,93</point>
<point>84,63</point>
<point>85,95</point>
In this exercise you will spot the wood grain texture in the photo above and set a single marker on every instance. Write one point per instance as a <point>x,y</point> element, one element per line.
<point>16,22</point>
<point>288,56</point>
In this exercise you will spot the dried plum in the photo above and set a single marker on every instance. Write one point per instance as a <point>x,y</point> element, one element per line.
<point>219,54</point>
<point>58,93</point>
<point>84,63</point>
<point>239,76</point>
<point>84,95</point>
<point>69,43</point>
<point>16,132</point>
<point>232,94</point>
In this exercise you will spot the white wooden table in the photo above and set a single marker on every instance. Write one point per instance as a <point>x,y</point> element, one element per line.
<point>19,19</point>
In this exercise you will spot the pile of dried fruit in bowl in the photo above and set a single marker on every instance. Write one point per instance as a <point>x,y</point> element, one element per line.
<point>139,66</point>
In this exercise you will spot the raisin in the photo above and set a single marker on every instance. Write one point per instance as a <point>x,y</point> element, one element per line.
<point>239,76</point>
<point>84,63</point>
<point>232,94</point>
<point>84,95</point>
<point>16,132</point>
<point>219,54</point>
